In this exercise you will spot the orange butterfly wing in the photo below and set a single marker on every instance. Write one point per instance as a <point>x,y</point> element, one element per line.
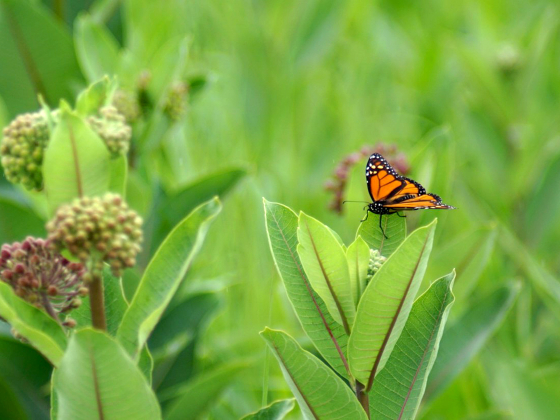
<point>395,191</point>
<point>382,180</point>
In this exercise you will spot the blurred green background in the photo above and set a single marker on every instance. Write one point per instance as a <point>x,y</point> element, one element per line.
<point>468,91</point>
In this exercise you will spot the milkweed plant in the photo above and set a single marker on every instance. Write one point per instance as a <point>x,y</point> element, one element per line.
<point>376,340</point>
<point>64,294</point>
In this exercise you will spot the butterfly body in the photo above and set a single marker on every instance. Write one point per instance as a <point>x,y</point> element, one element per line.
<point>391,192</point>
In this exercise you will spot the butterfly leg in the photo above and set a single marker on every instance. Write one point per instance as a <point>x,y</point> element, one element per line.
<point>365,218</point>
<point>381,227</point>
<point>398,214</point>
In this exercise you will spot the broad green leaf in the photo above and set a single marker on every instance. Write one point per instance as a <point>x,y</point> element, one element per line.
<point>466,336</point>
<point>324,262</point>
<point>42,332</point>
<point>25,372</point>
<point>18,221</point>
<point>199,393</point>
<point>179,203</point>
<point>394,227</point>
<point>97,380</point>
<point>146,363</point>
<point>96,48</point>
<point>274,411</point>
<point>37,57</point>
<point>357,256</point>
<point>328,336</point>
<point>76,161</point>
<point>118,171</point>
<point>174,340</point>
<point>115,304</point>
<point>320,393</point>
<point>386,303</point>
<point>12,408</point>
<point>397,390</point>
<point>95,96</point>
<point>184,318</point>
<point>164,275</point>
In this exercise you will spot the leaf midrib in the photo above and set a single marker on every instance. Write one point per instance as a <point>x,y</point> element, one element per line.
<point>293,380</point>
<point>329,285</point>
<point>310,291</point>
<point>96,386</point>
<point>394,320</point>
<point>428,344</point>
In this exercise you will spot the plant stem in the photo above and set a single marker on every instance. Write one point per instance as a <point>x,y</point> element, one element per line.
<point>362,396</point>
<point>103,10</point>
<point>58,9</point>
<point>96,302</point>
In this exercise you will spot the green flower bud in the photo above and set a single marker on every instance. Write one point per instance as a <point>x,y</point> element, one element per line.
<point>87,229</point>
<point>126,103</point>
<point>376,260</point>
<point>111,126</point>
<point>22,147</point>
<point>176,102</point>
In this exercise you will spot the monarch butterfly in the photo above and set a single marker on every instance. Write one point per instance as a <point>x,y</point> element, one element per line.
<point>391,192</point>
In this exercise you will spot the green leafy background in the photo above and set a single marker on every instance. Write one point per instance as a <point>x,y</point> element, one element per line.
<point>280,92</point>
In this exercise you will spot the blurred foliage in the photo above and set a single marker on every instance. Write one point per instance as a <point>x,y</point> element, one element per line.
<point>467,90</point>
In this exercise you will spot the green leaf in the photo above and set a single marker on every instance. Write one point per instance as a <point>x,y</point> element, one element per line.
<point>42,332</point>
<point>274,411</point>
<point>185,318</point>
<point>357,256</point>
<point>25,372</point>
<point>76,161</point>
<point>95,96</point>
<point>327,335</point>
<point>96,48</point>
<point>18,221</point>
<point>118,168</point>
<point>324,262</point>
<point>394,228</point>
<point>386,303</point>
<point>37,56</point>
<point>12,408</point>
<point>173,341</point>
<point>320,393</point>
<point>400,385</point>
<point>465,337</point>
<point>146,363</point>
<point>179,203</point>
<point>195,397</point>
<point>163,276</point>
<point>97,380</point>
<point>115,304</point>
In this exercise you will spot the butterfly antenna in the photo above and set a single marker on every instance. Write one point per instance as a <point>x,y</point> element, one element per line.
<point>350,201</point>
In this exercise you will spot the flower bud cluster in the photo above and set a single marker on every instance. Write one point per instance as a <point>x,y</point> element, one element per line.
<point>111,126</point>
<point>176,101</point>
<point>42,277</point>
<point>337,183</point>
<point>98,230</point>
<point>23,143</point>
<point>376,260</point>
<point>127,104</point>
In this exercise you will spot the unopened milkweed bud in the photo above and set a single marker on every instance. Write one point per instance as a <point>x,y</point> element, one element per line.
<point>111,126</point>
<point>23,143</point>
<point>116,244</point>
<point>376,260</point>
